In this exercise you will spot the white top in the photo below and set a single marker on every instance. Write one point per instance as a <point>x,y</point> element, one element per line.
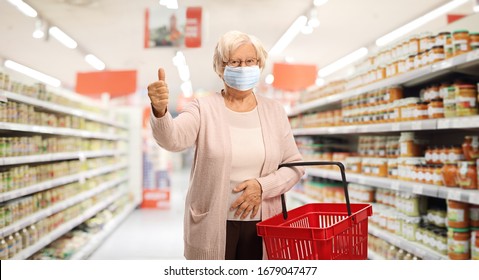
<point>247,153</point>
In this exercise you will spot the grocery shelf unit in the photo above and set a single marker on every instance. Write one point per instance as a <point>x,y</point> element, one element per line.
<point>465,64</point>
<point>118,171</point>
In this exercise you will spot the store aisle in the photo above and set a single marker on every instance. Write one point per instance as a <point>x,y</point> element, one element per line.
<point>150,233</point>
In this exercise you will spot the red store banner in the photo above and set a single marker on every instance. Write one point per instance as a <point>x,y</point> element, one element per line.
<point>193,27</point>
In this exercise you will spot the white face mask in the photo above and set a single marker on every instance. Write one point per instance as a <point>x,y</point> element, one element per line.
<point>241,78</point>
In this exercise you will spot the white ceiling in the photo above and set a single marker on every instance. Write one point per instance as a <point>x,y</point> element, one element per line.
<point>113,31</point>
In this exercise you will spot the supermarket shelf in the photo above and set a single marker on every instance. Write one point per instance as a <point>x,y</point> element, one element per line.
<point>374,256</point>
<point>58,131</point>
<point>81,155</point>
<point>301,197</point>
<point>456,64</point>
<point>60,181</point>
<point>52,107</point>
<point>61,230</point>
<point>98,238</point>
<point>59,207</point>
<point>413,247</point>
<point>469,196</point>
<point>418,125</point>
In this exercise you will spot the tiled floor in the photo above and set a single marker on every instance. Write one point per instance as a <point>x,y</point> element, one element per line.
<point>150,233</point>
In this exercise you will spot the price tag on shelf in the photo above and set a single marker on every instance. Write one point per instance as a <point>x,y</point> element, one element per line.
<point>417,189</point>
<point>416,125</point>
<point>474,198</point>
<point>3,96</point>
<point>395,185</point>
<point>361,181</point>
<point>81,156</point>
<point>473,55</point>
<point>81,179</point>
<point>443,123</point>
<point>396,127</point>
<point>454,195</point>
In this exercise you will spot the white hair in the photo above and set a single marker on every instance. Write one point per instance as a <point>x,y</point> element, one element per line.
<point>229,42</point>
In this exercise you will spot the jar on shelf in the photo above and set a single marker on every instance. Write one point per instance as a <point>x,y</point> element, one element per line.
<point>353,164</point>
<point>470,147</point>
<point>448,47</point>
<point>437,177</point>
<point>420,111</point>
<point>454,154</point>
<point>428,155</point>
<point>475,244</point>
<point>392,168</point>
<point>441,38</point>
<point>458,243</point>
<point>461,42</point>
<point>466,104</point>
<point>379,167</point>
<point>457,214</point>
<point>410,62</point>
<point>443,89</point>
<point>450,102</point>
<point>435,109</point>
<point>474,215</point>
<point>407,106</point>
<point>418,60</point>
<point>436,54</point>
<point>467,175</point>
<point>474,40</point>
<point>449,174</point>
<point>410,145</point>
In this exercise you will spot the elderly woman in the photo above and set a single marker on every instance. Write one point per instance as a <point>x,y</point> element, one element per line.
<point>240,140</point>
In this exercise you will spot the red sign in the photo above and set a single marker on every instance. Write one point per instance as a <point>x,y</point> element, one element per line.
<point>158,198</point>
<point>294,77</point>
<point>116,83</point>
<point>193,27</point>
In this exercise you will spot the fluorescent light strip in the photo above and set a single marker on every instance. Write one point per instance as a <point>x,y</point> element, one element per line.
<point>24,8</point>
<point>403,30</point>
<point>342,62</point>
<point>32,73</point>
<point>95,62</point>
<point>63,38</point>
<point>288,36</point>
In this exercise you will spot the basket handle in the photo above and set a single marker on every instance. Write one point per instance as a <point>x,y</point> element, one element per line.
<point>309,163</point>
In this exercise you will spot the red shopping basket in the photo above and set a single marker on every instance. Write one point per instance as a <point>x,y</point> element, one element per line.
<point>318,231</point>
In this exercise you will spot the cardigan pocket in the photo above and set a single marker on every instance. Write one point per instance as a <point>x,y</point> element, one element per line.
<point>197,217</point>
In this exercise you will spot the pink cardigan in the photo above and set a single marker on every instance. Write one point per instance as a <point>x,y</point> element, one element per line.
<point>203,124</point>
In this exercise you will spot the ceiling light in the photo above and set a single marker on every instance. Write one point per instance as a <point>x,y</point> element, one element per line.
<point>313,22</point>
<point>62,37</point>
<point>342,62</point>
<point>320,82</point>
<point>39,31</point>
<point>289,35</point>
<point>307,29</point>
<point>24,8</point>
<point>476,6</point>
<point>32,73</point>
<point>319,2</point>
<point>95,62</point>
<point>170,4</point>
<point>187,89</point>
<point>269,79</point>
<point>403,30</point>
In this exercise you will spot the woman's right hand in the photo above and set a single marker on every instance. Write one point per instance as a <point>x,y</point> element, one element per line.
<point>158,93</point>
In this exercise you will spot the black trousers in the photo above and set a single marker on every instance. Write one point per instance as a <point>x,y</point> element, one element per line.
<point>242,241</point>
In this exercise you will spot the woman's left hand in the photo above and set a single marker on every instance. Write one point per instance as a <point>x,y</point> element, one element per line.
<point>249,201</point>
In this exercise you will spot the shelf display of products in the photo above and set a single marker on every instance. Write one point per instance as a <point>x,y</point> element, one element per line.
<point>64,160</point>
<point>410,118</point>
<point>74,243</point>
